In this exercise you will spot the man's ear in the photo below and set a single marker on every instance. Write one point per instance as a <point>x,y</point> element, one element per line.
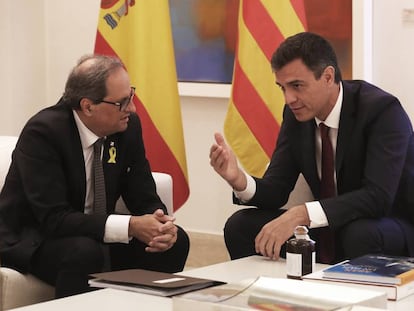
<point>86,106</point>
<point>329,74</point>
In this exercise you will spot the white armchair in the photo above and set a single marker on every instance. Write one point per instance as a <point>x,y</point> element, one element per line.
<point>17,289</point>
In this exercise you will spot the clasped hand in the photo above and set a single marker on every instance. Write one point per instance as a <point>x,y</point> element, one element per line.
<point>157,230</point>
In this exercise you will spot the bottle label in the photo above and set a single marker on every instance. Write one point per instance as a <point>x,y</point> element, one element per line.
<point>313,262</point>
<point>294,264</point>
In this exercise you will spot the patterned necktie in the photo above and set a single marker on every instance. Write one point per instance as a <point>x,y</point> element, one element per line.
<point>99,203</point>
<point>327,189</point>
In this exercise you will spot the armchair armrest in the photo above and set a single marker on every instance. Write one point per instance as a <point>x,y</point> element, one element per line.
<point>164,186</point>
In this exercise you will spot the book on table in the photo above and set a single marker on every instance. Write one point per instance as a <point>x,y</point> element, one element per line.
<point>384,269</point>
<point>150,282</point>
<point>394,292</point>
<point>265,293</point>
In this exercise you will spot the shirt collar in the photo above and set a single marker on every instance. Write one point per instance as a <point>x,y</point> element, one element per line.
<point>87,137</point>
<point>333,118</point>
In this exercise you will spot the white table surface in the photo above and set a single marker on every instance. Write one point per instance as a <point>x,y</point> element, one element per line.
<point>231,271</point>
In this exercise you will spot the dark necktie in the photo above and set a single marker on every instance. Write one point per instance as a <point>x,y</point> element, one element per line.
<point>327,189</point>
<point>327,167</point>
<point>99,203</point>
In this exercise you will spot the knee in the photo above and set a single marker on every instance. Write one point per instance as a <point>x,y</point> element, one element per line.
<point>174,259</point>
<point>183,242</point>
<point>234,223</point>
<point>85,254</point>
<point>357,230</point>
<point>360,237</point>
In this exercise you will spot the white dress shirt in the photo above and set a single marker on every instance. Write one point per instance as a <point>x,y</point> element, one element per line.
<point>316,214</point>
<point>116,227</point>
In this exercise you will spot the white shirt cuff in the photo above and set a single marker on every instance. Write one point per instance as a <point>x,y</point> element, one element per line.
<point>316,215</point>
<point>116,229</point>
<point>315,211</point>
<point>246,194</point>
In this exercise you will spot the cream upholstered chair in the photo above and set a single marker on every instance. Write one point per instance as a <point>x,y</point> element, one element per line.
<point>17,289</point>
<point>164,185</point>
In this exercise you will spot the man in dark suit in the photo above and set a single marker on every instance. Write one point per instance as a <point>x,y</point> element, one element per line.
<point>48,225</point>
<point>372,206</point>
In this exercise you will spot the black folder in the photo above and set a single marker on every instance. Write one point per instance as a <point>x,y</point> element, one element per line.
<point>150,282</point>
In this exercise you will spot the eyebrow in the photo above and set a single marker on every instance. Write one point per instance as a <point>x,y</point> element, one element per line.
<point>291,82</point>
<point>121,99</point>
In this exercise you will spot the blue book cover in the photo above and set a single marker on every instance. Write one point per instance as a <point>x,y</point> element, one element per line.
<point>374,268</point>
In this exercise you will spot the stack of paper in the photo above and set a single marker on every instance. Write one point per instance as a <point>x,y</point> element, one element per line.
<point>394,292</point>
<point>273,294</point>
<point>389,274</point>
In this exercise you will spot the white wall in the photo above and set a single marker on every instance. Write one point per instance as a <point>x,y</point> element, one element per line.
<point>210,201</point>
<point>70,30</point>
<point>393,50</point>
<point>23,76</point>
<point>42,40</point>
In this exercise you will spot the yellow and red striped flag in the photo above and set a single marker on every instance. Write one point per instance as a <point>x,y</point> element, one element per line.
<point>255,110</point>
<point>139,33</point>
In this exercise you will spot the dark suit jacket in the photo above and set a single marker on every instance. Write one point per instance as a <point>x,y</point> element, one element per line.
<point>374,161</point>
<point>44,192</point>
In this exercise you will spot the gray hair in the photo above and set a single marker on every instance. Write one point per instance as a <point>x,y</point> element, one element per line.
<point>88,79</point>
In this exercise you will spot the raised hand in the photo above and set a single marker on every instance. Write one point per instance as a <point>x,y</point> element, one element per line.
<point>224,162</point>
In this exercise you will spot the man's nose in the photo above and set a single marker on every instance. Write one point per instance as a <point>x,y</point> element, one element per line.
<point>290,97</point>
<point>131,107</point>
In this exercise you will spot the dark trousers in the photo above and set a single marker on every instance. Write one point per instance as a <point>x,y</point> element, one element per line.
<point>66,262</point>
<point>359,237</point>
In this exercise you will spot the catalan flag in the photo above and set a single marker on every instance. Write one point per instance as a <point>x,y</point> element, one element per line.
<point>255,110</point>
<point>139,33</point>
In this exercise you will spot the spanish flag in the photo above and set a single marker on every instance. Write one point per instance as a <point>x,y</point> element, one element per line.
<point>255,110</point>
<point>139,33</point>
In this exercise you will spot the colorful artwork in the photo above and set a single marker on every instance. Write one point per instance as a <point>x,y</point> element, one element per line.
<point>205,35</point>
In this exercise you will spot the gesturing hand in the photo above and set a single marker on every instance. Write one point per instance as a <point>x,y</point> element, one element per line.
<point>224,162</point>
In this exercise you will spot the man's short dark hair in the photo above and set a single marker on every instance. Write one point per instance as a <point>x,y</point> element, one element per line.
<point>315,52</point>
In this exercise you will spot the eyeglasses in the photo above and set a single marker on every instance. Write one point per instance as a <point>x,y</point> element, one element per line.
<point>123,103</point>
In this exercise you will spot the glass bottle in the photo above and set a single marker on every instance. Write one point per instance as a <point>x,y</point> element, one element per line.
<point>300,254</point>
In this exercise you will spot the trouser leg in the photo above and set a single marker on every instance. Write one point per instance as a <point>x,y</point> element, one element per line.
<point>66,263</point>
<point>372,236</point>
<point>133,255</point>
<point>242,228</point>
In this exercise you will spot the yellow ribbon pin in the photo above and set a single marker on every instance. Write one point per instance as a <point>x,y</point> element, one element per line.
<point>112,155</point>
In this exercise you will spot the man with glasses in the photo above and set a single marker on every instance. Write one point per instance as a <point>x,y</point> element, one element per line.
<point>50,222</point>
